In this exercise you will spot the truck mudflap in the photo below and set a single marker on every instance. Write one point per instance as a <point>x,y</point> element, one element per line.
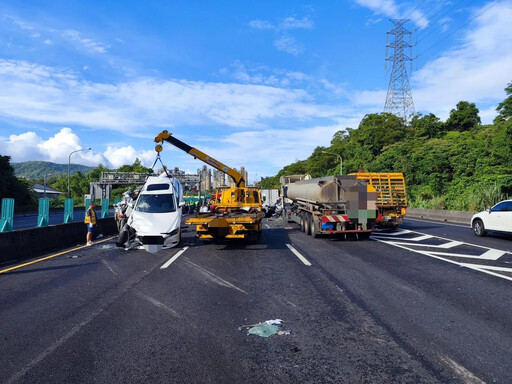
<point>213,227</point>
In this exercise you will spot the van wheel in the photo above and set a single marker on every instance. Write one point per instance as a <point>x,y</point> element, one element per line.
<point>478,228</point>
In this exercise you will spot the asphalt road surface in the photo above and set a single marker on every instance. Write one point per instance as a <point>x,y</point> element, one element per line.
<point>430,303</point>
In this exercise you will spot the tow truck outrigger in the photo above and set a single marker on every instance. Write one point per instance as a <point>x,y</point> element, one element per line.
<point>236,214</point>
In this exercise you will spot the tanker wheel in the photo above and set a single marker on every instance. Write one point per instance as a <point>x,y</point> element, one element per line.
<point>302,220</point>
<point>307,224</point>
<point>314,228</point>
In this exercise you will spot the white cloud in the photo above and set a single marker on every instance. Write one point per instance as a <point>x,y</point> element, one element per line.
<point>58,148</point>
<point>287,43</point>
<point>30,92</point>
<point>126,155</point>
<point>87,43</point>
<point>473,71</point>
<point>283,40</point>
<point>390,8</point>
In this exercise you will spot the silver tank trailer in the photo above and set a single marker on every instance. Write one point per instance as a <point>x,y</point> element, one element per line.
<point>329,189</point>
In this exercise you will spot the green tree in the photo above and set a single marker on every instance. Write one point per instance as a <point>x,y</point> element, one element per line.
<point>378,130</point>
<point>505,107</point>
<point>464,118</point>
<point>135,167</point>
<point>429,125</point>
<point>12,187</point>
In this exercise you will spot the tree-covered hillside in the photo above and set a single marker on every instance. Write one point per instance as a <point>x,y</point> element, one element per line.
<point>35,170</point>
<point>458,164</point>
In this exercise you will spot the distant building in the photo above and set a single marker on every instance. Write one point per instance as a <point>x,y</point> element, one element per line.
<point>243,172</point>
<point>50,192</point>
<point>206,178</point>
<point>219,179</point>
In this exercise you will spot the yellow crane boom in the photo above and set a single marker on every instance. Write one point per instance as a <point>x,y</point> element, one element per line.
<point>237,177</point>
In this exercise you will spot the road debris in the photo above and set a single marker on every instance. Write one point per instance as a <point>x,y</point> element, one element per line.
<point>266,328</point>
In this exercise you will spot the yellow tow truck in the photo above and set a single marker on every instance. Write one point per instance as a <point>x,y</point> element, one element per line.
<point>237,211</point>
<point>391,196</point>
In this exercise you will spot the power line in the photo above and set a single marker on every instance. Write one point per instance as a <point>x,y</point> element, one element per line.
<point>485,9</point>
<point>421,37</point>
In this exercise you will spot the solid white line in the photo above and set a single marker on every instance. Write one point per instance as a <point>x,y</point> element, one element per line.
<point>489,267</point>
<point>267,226</point>
<point>296,253</point>
<point>440,223</point>
<point>169,262</point>
<point>397,233</point>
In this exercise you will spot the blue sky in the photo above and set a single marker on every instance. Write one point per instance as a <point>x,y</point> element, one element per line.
<point>254,83</point>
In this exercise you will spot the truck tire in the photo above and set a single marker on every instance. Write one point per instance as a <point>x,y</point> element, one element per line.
<point>302,225</point>
<point>314,228</point>
<point>307,223</point>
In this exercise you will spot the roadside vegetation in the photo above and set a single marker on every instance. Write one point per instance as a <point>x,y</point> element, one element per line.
<point>457,164</point>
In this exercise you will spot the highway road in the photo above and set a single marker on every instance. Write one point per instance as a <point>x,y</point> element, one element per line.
<point>430,303</point>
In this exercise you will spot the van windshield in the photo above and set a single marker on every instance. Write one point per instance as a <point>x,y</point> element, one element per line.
<point>156,203</point>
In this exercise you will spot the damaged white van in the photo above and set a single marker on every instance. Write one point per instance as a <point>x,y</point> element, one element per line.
<point>155,221</point>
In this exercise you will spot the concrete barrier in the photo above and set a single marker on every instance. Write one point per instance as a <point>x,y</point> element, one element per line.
<point>27,243</point>
<point>458,217</point>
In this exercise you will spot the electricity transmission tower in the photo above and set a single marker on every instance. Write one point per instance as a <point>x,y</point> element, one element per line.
<point>399,98</point>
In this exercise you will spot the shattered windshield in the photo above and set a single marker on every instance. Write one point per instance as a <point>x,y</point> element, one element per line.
<point>156,203</point>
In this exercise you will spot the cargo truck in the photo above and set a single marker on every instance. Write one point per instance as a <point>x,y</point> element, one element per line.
<point>332,205</point>
<point>391,196</point>
<point>269,199</point>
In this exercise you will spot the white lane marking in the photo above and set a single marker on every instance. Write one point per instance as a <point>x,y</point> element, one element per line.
<point>419,238</point>
<point>173,259</point>
<point>461,255</point>
<point>296,253</point>
<point>463,373</point>
<point>440,223</point>
<point>475,267</point>
<point>451,244</point>
<point>492,254</point>
<point>489,267</point>
<point>216,279</point>
<point>267,226</point>
<point>438,237</point>
<point>397,233</point>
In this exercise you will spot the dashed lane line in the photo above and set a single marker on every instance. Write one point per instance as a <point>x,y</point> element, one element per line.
<point>296,253</point>
<point>52,256</point>
<point>174,258</point>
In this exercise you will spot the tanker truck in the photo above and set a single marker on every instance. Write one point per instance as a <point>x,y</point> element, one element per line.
<point>332,205</point>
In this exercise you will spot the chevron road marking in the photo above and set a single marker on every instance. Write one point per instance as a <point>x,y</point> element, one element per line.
<point>489,254</point>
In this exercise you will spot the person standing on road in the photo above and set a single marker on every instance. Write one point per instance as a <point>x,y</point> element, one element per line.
<point>90,220</point>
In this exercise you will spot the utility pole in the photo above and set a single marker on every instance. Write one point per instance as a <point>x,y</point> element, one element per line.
<point>399,97</point>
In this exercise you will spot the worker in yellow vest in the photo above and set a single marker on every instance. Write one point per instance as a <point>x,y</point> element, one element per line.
<point>90,220</point>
